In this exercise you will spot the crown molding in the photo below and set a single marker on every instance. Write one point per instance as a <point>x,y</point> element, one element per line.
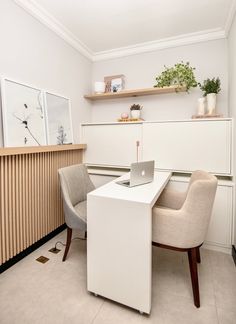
<point>230,18</point>
<point>181,40</point>
<point>48,20</point>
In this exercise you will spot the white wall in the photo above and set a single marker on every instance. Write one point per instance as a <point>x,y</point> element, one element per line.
<point>232,68</point>
<point>209,59</point>
<point>232,88</point>
<point>31,53</point>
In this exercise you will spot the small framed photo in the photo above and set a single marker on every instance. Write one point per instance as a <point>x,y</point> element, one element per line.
<point>114,83</point>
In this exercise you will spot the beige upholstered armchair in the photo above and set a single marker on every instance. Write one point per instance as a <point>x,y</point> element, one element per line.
<point>75,184</point>
<point>180,220</point>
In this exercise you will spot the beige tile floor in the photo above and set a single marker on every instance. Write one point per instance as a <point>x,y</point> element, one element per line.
<point>55,292</point>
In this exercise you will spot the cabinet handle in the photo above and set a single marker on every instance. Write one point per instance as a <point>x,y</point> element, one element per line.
<point>137,149</point>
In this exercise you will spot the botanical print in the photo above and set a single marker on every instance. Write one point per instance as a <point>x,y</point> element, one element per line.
<point>23,115</point>
<point>58,120</point>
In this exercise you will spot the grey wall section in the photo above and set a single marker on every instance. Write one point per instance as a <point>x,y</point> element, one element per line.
<point>209,58</point>
<point>232,92</point>
<point>32,54</point>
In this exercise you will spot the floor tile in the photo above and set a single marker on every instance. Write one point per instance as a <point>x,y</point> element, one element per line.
<point>56,292</point>
<point>175,309</point>
<point>224,280</point>
<point>113,313</point>
<point>171,272</point>
<point>226,317</point>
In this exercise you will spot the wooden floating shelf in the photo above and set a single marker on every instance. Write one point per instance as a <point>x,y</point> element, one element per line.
<point>135,93</point>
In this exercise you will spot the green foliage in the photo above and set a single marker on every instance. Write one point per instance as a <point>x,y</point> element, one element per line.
<point>180,74</point>
<point>210,86</point>
<point>136,107</point>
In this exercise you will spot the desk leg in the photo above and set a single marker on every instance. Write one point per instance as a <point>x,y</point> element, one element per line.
<point>119,251</point>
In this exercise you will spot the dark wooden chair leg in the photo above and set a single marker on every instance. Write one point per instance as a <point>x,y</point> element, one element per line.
<point>192,258</point>
<point>68,241</point>
<point>198,255</point>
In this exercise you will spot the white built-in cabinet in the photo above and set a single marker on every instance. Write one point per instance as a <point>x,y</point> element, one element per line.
<point>179,146</point>
<point>112,144</point>
<point>189,145</point>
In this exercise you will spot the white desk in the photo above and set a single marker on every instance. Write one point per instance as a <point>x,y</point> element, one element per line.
<point>119,243</point>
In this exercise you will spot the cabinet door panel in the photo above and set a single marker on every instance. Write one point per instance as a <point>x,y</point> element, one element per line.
<point>220,226</point>
<point>113,145</point>
<point>188,146</point>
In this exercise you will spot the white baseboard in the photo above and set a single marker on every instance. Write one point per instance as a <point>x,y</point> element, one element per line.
<point>218,248</point>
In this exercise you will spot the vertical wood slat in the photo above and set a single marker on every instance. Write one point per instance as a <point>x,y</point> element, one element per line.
<point>20,229</point>
<point>24,202</point>
<point>30,200</point>
<point>13,193</point>
<point>2,220</point>
<point>5,202</point>
<point>16,185</point>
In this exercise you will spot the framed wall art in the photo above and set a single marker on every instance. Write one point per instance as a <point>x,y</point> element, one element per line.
<point>23,114</point>
<point>58,117</point>
<point>114,83</point>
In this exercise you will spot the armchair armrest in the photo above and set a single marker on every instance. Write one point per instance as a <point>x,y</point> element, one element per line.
<point>171,199</point>
<point>175,228</point>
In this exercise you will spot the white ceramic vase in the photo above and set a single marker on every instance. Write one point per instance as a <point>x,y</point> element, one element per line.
<point>135,114</point>
<point>201,106</point>
<point>211,103</point>
<point>99,87</point>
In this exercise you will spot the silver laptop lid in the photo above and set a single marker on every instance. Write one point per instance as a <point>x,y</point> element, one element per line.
<point>141,173</point>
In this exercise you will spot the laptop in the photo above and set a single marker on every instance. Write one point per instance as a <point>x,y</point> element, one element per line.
<point>140,173</point>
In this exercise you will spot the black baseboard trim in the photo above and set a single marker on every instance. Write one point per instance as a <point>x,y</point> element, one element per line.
<point>31,248</point>
<point>234,253</point>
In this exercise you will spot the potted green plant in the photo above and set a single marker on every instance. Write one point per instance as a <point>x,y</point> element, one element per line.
<point>210,88</point>
<point>181,74</point>
<point>135,111</point>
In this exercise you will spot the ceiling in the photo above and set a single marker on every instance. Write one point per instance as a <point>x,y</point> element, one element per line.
<point>104,26</point>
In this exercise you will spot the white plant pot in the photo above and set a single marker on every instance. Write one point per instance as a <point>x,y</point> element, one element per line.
<point>211,103</point>
<point>135,114</point>
<point>201,106</point>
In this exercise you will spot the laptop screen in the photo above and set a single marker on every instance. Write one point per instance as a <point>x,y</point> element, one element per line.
<point>141,173</point>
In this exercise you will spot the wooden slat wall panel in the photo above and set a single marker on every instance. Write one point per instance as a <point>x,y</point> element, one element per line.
<point>30,200</point>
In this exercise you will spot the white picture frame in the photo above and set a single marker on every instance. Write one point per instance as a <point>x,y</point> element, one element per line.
<point>23,114</point>
<point>58,119</point>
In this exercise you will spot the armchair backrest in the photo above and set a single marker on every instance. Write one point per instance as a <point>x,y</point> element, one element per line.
<point>199,202</point>
<point>75,183</point>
